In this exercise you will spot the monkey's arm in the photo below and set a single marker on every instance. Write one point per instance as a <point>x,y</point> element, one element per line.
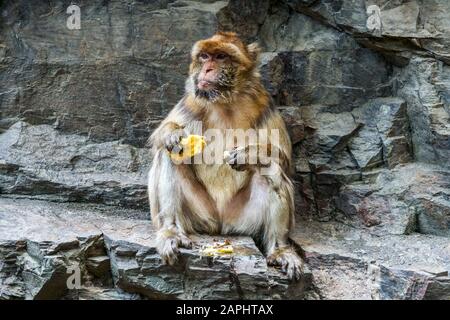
<point>170,131</point>
<point>275,167</point>
<point>272,148</point>
<point>164,189</point>
<point>279,148</point>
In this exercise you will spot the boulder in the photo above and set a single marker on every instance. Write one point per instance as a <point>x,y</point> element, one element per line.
<point>349,263</point>
<point>115,81</point>
<point>40,162</point>
<point>399,29</point>
<point>43,245</point>
<point>407,199</point>
<point>425,86</point>
<point>386,134</point>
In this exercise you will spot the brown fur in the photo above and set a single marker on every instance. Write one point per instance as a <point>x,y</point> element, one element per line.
<point>224,198</point>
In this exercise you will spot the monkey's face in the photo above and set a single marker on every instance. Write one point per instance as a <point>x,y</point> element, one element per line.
<point>215,76</point>
<point>219,66</point>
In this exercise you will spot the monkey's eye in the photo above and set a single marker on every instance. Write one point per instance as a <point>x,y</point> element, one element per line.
<point>221,56</point>
<point>203,56</point>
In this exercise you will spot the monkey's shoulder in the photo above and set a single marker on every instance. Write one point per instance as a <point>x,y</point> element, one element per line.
<point>269,117</point>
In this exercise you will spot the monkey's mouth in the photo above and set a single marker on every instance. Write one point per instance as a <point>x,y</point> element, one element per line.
<point>206,89</point>
<point>210,89</point>
<point>205,84</point>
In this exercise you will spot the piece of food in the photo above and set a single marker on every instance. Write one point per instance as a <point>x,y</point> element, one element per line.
<point>227,249</point>
<point>192,145</point>
<point>217,249</point>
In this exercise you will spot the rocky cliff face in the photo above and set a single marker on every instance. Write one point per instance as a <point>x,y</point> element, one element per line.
<point>364,86</point>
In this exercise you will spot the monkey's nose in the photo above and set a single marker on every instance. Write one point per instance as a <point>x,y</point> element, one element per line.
<point>209,70</point>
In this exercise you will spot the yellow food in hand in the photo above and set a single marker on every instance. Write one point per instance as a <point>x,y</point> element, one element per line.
<point>192,145</point>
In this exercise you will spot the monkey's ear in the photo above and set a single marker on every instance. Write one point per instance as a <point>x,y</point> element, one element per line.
<point>254,50</point>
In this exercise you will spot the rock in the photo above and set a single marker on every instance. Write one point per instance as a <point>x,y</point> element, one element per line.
<point>324,77</point>
<point>321,65</point>
<point>98,266</point>
<point>425,85</point>
<point>93,293</point>
<point>41,162</point>
<point>42,244</point>
<point>116,81</point>
<point>385,136</point>
<point>338,148</point>
<point>322,137</point>
<point>243,17</point>
<point>243,275</point>
<point>332,132</point>
<point>349,263</point>
<point>43,241</point>
<point>11,283</point>
<point>402,29</point>
<point>407,199</point>
<point>287,31</point>
<point>367,148</point>
<point>424,189</point>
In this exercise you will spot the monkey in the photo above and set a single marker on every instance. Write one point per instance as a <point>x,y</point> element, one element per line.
<point>224,91</point>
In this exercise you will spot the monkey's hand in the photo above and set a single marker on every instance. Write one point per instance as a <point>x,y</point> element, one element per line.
<point>245,158</point>
<point>289,261</point>
<point>173,139</point>
<point>237,158</point>
<point>168,242</point>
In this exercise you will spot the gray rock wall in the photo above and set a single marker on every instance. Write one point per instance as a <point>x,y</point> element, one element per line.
<point>368,112</point>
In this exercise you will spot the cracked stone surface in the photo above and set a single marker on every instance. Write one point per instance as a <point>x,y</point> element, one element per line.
<point>40,162</point>
<point>349,263</point>
<point>115,250</point>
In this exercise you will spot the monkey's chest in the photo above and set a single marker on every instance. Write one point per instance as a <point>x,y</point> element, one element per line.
<point>221,182</point>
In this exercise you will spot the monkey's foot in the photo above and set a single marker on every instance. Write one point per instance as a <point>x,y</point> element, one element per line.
<point>289,261</point>
<point>168,243</point>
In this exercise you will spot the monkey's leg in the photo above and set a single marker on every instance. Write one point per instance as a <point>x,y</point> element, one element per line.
<point>280,220</point>
<point>268,215</point>
<point>179,204</point>
<point>166,201</point>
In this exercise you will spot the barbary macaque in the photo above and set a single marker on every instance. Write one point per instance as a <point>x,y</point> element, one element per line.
<point>248,192</point>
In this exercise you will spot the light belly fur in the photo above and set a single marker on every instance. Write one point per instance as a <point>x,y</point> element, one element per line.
<point>221,182</point>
